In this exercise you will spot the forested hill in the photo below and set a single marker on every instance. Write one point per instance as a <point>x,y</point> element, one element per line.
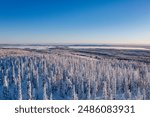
<point>62,74</point>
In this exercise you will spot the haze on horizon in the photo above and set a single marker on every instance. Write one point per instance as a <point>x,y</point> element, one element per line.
<point>75,21</point>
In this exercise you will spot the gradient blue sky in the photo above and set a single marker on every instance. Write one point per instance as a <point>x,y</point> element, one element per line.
<point>75,21</point>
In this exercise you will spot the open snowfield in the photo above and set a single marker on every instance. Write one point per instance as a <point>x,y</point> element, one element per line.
<point>74,73</point>
<point>46,46</point>
<point>109,47</point>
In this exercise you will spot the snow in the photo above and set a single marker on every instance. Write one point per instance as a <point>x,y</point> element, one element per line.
<point>68,74</point>
<point>29,47</point>
<point>43,47</point>
<point>107,47</point>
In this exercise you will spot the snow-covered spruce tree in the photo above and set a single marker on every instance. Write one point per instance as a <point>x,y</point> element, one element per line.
<point>127,93</point>
<point>139,95</point>
<point>114,86</point>
<point>44,90</point>
<point>94,90</point>
<point>88,89</point>
<point>14,85</point>
<point>109,90</point>
<point>29,88</point>
<point>35,84</point>
<point>5,89</point>
<point>19,97</point>
<point>81,90</point>
<point>144,94</point>
<point>74,94</point>
<point>134,81</point>
<point>105,93</point>
<point>51,96</point>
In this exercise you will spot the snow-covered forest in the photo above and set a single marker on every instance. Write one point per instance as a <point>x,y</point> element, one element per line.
<point>30,75</point>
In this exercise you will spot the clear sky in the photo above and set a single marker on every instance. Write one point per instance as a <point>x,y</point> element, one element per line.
<point>75,21</point>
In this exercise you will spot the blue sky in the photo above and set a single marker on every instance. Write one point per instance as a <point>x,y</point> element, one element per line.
<point>75,21</point>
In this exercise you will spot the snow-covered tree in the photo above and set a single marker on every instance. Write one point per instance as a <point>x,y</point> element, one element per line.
<point>63,74</point>
<point>74,94</point>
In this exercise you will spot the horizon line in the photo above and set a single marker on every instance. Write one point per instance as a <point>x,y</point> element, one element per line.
<point>44,44</point>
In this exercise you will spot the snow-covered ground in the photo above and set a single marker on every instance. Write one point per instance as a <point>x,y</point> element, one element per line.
<point>29,47</point>
<point>108,47</point>
<point>43,47</point>
<point>70,74</point>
